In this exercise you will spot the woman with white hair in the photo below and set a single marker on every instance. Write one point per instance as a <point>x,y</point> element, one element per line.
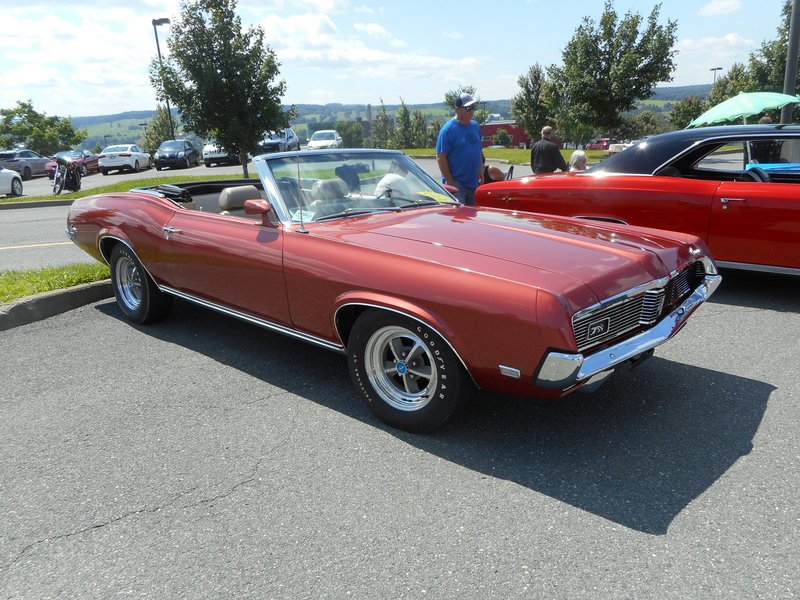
<point>578,161</point>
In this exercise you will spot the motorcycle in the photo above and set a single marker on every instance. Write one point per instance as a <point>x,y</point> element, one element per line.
<point>67,175</point>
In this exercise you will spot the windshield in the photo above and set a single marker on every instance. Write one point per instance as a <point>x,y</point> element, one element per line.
<point>69,154</point>
<point>345,184</point>
<point>172,145</point>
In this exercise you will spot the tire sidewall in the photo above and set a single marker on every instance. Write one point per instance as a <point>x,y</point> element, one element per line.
<point>451,381</point>
<point>154,303</point>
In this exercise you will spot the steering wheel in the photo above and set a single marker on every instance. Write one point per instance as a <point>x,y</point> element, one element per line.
<point>755,174</point>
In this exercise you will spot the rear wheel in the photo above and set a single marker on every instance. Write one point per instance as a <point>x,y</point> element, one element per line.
<point>407,374</point>
<point>16,187</point>
<point>104,171</point>
<point>136,166</point>
<point>136,293</point>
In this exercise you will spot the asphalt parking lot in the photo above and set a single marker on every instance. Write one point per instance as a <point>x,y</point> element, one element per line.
<point>205,458</point>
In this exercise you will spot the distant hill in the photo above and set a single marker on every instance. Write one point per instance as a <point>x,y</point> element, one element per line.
<point>125,126</point>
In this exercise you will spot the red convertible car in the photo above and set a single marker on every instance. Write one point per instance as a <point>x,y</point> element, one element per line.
<point>736,187</point>
<point>363,253</point>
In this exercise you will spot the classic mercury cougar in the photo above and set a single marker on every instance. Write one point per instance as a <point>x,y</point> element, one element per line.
<point>363,253</point>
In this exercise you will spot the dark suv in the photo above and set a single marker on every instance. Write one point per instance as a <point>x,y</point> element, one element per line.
<point>176,153</point>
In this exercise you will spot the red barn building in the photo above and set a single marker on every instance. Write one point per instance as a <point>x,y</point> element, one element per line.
<point>519,137</point>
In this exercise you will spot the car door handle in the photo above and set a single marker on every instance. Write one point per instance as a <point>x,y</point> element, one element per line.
<point>726,201</point>
<point>169,231</point>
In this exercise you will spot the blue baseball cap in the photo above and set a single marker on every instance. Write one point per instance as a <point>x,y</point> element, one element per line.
<point>464,100</point>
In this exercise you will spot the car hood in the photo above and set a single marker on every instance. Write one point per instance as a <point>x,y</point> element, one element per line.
<point>608,259</point>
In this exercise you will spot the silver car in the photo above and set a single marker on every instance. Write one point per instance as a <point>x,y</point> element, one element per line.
<point>25,162</point>
<point>123,157</point>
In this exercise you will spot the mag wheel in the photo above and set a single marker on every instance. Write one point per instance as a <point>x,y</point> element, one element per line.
<point>136,293</point>
<point>407,374</point>
<point>16,187</point>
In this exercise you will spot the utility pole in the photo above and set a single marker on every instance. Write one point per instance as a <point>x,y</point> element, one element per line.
<point>156,23</point>
<point>790,77</point>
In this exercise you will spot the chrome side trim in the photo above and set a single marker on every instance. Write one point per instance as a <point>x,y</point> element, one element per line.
<point>760,268</point>
<point>562,371</point>
<point>509,371</point>
<point>254,320</point>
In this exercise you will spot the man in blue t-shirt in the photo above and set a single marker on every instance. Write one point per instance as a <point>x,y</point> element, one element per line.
<point>458,150</point>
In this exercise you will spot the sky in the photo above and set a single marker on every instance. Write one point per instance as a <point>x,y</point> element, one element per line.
<point>91,57</point>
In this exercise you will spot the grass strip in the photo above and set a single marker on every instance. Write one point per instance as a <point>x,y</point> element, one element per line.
<point>19,284</point>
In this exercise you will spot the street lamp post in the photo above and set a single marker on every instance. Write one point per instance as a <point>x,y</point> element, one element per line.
<point>105,140</point>
<point>156,23</point>
<point>715,69</point>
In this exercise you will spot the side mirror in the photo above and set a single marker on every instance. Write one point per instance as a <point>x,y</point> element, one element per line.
<point>259,207</point>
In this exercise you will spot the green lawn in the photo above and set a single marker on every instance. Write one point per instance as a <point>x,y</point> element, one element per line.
<point>19,284</point>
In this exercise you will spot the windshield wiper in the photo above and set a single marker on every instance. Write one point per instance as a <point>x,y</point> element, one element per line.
<point>354,212</point>
<point>418,203</point>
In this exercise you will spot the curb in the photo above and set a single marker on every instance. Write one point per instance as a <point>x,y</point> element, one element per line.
<point>35,204</point>
<point>48,304</point>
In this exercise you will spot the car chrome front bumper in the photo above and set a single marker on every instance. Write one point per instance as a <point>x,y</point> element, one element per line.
<point>563,371</point>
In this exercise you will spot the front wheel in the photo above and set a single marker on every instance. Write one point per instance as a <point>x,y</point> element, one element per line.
<point>136,293</point>
<point>16,187</point>
<point>407,374</point>
<point>58,183</point>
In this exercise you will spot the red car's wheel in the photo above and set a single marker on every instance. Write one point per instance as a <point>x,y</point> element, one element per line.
<point>408,376</point>
<point>137,294</point>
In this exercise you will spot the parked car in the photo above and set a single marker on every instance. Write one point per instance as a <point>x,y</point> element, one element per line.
<point>426,297</point>
<point>736,187</point>
<point>600,144</point>
<point>176,153</point>
<point>325,138</point>
<point>214,155</point>
<point>280,141</point>
<point>123,157</point>
<point>25,162</point>
<point>87,161</point>
<point>10,182</point>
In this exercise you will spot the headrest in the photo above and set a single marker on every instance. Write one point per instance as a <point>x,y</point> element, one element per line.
<point>325,189</point>
<point>233,198</point>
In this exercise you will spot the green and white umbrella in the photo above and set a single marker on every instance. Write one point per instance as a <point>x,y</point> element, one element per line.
<point>742,106</point>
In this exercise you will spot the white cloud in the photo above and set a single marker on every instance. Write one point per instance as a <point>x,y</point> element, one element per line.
<point>373,30</point>
<point>453,35</point>
<point>717,8</point>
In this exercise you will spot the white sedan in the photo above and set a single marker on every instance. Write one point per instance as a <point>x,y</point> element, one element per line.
<point>325,138</point>
<point>123,157</point>
<point>10,182</point>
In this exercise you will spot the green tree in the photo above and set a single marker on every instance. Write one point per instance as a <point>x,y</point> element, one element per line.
<point>382,129</point>
<point>420,131</point>
<point>403,135</point>
<point>767,66</point>
<point>502,138</point>
<point>684,111</point>
<point>610,66</point>
<point>222,77</point>
<point>351,132</point>
<point>529,106</point>
<point>157,130</point>
<point>23,126</point>
<point>736,80</point>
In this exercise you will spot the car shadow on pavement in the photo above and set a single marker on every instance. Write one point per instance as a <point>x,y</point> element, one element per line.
<point>636,452</point>
<point>749,288</point>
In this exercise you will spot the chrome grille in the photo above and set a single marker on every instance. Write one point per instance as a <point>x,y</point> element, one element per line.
<point>638,311</point>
